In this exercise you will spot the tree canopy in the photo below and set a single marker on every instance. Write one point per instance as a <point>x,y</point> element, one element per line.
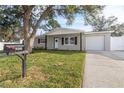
<point>100,23</point>
<point>118,29</point>
<point>30,18</point>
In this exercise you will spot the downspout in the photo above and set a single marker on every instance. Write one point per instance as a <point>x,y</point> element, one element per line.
<point>80,41</point>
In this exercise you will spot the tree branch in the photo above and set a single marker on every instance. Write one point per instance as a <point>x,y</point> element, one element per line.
<point>44,14</point>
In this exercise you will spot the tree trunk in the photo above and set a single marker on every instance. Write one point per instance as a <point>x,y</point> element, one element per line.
<point>29,37</point>
<point>29,44</point>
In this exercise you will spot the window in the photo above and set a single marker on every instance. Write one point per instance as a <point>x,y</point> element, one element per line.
<point>72,40</point>
<point>66,40</point>
<point>75,40</point>
<point>69,40</point>
<point>41,41</point>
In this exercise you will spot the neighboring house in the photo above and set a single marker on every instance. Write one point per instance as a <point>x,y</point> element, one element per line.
<point>71,39</point>
<point>19,41</point>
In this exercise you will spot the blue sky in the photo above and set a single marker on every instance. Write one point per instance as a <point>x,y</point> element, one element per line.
<point>78,23</point>
<point>113,10</point>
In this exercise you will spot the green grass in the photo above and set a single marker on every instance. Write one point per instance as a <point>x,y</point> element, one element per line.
<point>45,69</point>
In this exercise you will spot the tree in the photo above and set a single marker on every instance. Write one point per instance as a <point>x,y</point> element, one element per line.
<point>31,18</point>
<point>100,23</point>
<point>9,20</point>
<point>118,29</point>
<point>5,34</point>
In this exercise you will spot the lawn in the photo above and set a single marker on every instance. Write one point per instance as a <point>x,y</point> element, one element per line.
<point>45,69</point>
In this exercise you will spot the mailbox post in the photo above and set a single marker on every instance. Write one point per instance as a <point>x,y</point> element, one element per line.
<point>17,49</point>
<point>24,66</point>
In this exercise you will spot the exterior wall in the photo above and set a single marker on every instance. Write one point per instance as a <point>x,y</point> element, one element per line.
<point>37,45</point>
<point>1,46</point>
<point>50,42</point>
<point>117,43</point>
<point>106,40</point>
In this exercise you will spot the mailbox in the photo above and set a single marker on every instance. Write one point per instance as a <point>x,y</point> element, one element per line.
<point>18,50</point>
<point>11,48</point>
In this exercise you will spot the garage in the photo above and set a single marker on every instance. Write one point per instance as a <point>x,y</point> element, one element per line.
<point>95,42</point>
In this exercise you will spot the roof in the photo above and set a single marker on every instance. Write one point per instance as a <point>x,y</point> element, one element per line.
<point>60,31</point>
<point>98,32</point>
<point>40,36</point>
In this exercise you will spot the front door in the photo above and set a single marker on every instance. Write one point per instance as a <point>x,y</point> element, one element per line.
<point>56,43</point>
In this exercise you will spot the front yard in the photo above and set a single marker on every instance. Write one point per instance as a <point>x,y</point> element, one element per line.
<point>46,69</point>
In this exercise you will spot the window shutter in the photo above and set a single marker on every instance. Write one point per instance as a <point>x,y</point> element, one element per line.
<point>62,41</point>
<point>75,40</point>
<point>38,41</point>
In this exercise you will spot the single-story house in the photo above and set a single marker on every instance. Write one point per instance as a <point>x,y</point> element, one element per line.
<point>71,39</point>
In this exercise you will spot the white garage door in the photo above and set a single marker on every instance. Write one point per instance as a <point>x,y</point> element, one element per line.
<point>95,43</point>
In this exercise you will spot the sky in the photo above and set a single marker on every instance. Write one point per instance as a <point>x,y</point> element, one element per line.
<point>112,10</point>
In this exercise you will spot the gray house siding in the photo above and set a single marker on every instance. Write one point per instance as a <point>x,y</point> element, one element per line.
<point>38,45</point>
<point>50,42</point>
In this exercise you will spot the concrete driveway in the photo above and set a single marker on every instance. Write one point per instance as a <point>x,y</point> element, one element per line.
<point>117,55</point>
<point>104,69</point>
